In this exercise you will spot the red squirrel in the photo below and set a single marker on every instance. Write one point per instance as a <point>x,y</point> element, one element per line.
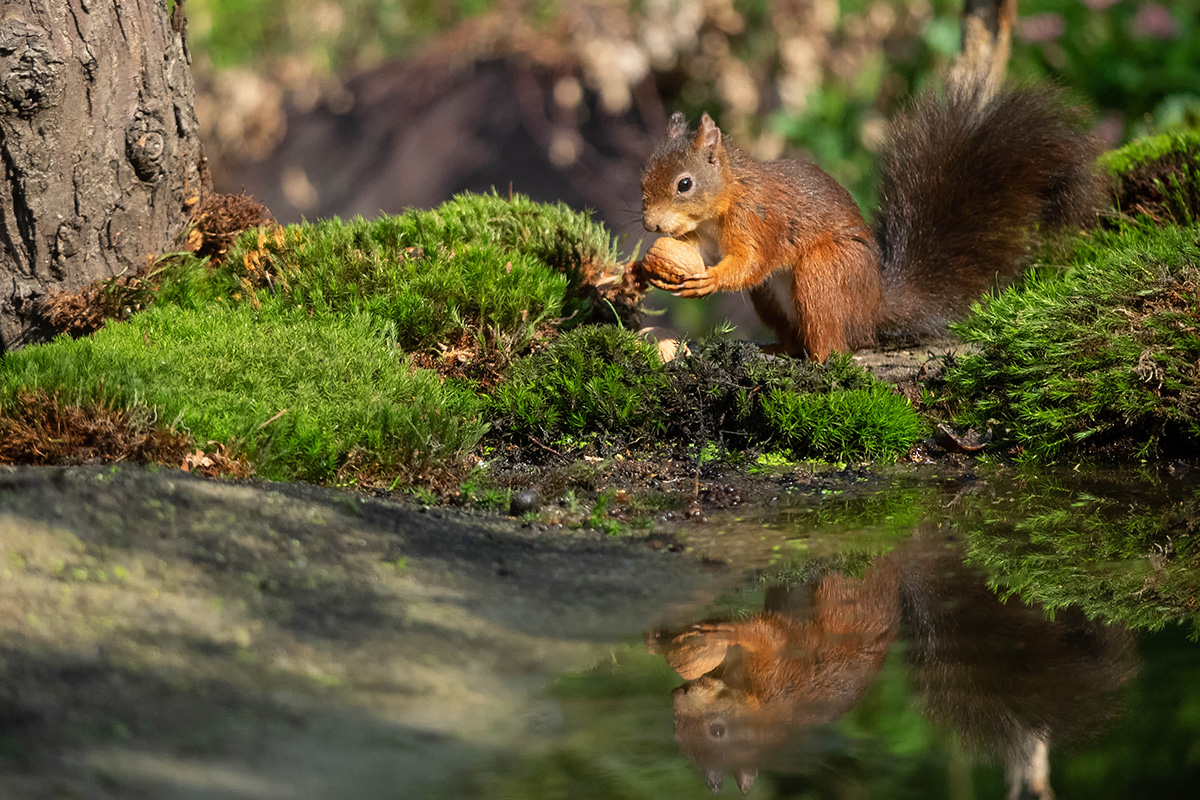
<point>966,181</point>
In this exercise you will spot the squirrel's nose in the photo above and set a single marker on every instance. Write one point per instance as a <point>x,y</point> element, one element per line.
<point>651,225</point>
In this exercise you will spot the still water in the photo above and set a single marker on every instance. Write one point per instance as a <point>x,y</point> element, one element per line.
<point>1005,636</point>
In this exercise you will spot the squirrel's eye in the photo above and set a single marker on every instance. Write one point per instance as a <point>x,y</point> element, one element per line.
<point>684,185</point>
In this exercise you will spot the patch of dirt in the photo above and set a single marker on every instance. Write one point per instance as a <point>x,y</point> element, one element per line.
<point>910,364</point>
<point>41,429</point>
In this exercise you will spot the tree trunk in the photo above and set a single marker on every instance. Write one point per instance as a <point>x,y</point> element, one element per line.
<point>99,144</point>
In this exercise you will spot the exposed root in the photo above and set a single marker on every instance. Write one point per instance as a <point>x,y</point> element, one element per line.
<point>219,221</point>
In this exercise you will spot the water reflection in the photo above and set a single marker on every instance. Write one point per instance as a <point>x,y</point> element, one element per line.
<point>1012,683</point>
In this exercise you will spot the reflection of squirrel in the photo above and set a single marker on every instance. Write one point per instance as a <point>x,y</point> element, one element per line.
<point>964,181</point>
<point>805,660</point>
<point>1008,680</point>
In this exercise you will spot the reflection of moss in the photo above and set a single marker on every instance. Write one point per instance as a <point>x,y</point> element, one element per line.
<point>887,514</point>
<point>1123,555</point>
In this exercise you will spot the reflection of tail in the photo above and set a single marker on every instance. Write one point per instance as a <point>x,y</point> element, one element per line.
<point>1027,770</point>
<point>806,659</point>
<point>1002,675</point>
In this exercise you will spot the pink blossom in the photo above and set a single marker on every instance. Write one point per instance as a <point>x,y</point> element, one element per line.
<point>1153,21</point>
<point>1041,27</point>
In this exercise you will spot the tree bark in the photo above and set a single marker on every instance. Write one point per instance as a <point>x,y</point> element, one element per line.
<point>99,146</point>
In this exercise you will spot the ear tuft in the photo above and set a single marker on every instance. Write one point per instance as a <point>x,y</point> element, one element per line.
<point>714,779</point>
<point>677,125</point>
<point>708,138</point>
<point>745,779</point>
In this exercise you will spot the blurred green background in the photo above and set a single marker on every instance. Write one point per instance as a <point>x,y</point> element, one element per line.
<point>820,76</point>
<point>813,78</point>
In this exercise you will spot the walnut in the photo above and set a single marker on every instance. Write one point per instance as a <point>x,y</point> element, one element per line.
<point>669,261</point>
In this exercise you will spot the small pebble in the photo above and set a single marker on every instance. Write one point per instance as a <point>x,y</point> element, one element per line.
<point>523,502</point>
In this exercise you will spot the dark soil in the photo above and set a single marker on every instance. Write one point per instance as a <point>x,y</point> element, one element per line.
<point>1164,189</point>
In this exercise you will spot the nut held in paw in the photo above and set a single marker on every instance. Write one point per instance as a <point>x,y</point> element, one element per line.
<point>671,260</point>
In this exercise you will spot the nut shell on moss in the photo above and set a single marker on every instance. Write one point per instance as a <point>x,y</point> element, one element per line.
<point>669,261</point>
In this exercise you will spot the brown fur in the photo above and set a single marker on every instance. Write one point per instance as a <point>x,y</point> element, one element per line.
<point>966,181</point>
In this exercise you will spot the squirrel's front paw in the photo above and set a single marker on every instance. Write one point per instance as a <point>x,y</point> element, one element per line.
<point>694,286</point>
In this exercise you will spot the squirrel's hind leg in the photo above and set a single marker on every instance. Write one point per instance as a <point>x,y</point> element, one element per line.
<point>776,310</point>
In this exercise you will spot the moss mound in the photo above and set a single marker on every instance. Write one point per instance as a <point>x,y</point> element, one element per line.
<point>604,383</point>
<point>304,353</point>
<point>1106,355</point>
<point>599,380</point>
<point>1158,177</point>
<point>477,269</point>
<point>1099,351</point>
<point>296,350</point>
<point>301,400</point>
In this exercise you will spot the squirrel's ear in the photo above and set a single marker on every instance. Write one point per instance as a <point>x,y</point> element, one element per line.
<point>677,125</point>
<point>745,779</point>
<point>708,138</point>
<point>714,779</point>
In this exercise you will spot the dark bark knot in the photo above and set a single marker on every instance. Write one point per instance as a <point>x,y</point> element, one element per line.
<point>146,145</point>
<point>32,72</point>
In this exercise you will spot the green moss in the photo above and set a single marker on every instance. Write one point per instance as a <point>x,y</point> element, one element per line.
<point>1107,352</point>
<point>844,425</point>
<point>478,267</point>
<point>595,380</point>
<point>301,399</point>
<point>604,381</point>
<point>1158,177</point>
<point>1147,149</point>
<point>292,353</point>
<point>833,410</point>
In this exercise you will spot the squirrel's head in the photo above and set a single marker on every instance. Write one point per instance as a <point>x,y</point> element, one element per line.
<point>684,176</point>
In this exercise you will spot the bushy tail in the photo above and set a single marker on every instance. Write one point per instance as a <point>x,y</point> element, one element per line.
<point>966,180</point>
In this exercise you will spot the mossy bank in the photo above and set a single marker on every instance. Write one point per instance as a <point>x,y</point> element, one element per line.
<point>422,350</point>
<point>392,353</point>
